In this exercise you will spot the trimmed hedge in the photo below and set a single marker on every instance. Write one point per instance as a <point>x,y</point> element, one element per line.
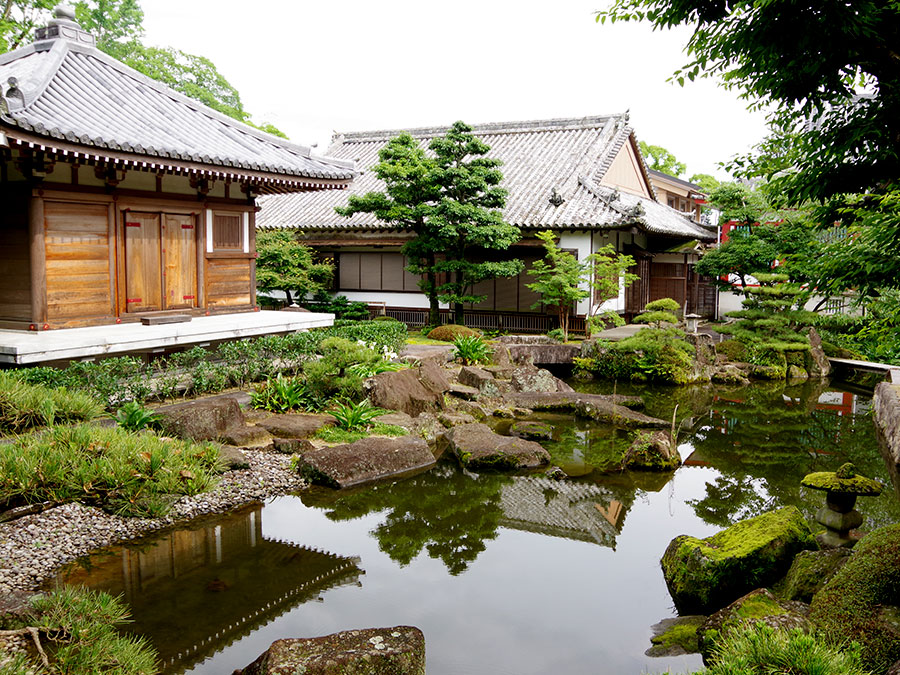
<point>450,332</point>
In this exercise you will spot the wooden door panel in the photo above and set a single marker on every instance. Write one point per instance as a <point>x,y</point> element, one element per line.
<point>143,279</point>
<point>180,259</point>
<point>76,241</point>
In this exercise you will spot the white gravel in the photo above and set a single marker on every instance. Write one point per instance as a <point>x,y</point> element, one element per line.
<point>34,546</point>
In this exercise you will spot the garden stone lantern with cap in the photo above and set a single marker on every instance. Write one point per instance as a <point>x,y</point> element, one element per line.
<point>842,487</point>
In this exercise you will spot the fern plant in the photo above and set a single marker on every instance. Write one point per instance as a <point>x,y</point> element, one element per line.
<point>134,417</point>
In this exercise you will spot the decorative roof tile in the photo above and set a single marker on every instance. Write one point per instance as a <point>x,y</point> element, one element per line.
<point>73,91</point>
<point>541,159</point>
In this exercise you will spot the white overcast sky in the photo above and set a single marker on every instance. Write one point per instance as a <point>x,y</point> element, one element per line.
<point>312,68</point>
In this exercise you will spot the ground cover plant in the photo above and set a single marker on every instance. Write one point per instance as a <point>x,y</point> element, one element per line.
<point>74,630</point>
<point>197,371</point>
<point>757,649</point>
<point>131,474</point>
<point>24,405</point>
<point>134,417</point>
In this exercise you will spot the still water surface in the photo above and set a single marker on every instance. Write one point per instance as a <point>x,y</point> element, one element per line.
<point>504,574</point>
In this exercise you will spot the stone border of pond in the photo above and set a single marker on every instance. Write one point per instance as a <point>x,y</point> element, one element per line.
<point>886,403</point>
<point>34,547</point>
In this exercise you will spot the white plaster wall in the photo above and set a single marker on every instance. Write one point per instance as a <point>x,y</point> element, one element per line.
<point>411,300</point>
<point>581,242</point>
<point>729,302</point>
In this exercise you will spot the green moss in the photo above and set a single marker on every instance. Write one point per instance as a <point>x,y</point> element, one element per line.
<point>759,606</point>
<point>809,572</point>
<point>849,606</point>
<point>844,481</point>
<point>682,634</point>
<point>644,455</point>
<point>749,535</point>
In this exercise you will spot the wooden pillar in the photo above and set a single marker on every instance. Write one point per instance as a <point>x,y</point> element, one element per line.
<point>684,307</point>
<point>251,234</point>
<point>38,255</point>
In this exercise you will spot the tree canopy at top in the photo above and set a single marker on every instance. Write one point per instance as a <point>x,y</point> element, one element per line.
<point>660,159</point>
<point>828,72</point>
<point>118,27</point>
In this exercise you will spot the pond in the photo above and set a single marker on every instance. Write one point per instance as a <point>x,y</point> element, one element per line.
<point>504,574</point>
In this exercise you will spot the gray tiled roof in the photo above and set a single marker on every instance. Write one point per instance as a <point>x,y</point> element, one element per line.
<point>75,94</point>
<point>568,155</point>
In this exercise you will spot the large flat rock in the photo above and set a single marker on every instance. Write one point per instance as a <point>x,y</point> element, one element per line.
<point>374,651</point>
<point>366,460</point>
<point>206,419</point>
<point>405,391</point>
<point>478,447</point>
<point>295,426</point>
<point>593,406</point>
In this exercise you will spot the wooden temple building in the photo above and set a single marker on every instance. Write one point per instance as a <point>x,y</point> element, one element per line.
<point>124,200</point>
<point>583,178</point>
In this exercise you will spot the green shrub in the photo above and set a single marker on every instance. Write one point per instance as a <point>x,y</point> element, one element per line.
<point>78,632</point>
<point>330,376</point>
<point>384,317</point>
<point>342,307</point>
<point>24,406</point>
<point>732,350</point>
<point>758,649</point>
<point>663,305</point>
<point>127,473</point>
<point>557,334</point>
<point>450,332</point>
<point>365,370</point>
<point>657,354</point>
<point>355,416</point>
<point>134,417</point>
<point>471,349</point>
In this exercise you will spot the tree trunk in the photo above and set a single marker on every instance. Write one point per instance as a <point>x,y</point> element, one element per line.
<point>434,310</point>
<point>287,295</point>
<point>458,310</point>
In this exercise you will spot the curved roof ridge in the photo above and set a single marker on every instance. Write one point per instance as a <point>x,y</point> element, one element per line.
<point>514,127</point>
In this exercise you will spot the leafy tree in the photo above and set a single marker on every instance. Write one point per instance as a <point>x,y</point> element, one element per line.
<point>706,182</point>
<point>19,18</point>
<point>466,222</point>
<point>661,159</point>
<point>658,312</point>
<point>407,202</point>
<point>563,280</point>
<point>450,200</point>
<point>284,264</point>
<point>113,22</point>
<point>744,254</point>
<point>806,63</point>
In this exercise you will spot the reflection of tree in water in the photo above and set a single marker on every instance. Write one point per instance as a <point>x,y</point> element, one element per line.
<point>449,513</point>
<point>763,439</point>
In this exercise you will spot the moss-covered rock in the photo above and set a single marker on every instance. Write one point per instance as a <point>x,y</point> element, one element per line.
<point>758,605</point>
<point>674,637</point>
<point>856,603</point>
<point>652,451</point>
<point>704,575</point>
<point>809,572</point>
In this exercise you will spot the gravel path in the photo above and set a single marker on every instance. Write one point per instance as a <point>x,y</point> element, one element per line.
<point>34,546</point>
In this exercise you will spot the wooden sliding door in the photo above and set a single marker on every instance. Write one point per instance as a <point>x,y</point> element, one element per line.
<point>160,261</point>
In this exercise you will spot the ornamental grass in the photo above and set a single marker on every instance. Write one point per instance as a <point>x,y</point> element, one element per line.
<point>130,474</point>
<point>24,406</point>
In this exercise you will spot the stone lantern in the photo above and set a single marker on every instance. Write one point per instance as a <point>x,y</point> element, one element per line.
<point>692,322</point>
<point>841,487</point>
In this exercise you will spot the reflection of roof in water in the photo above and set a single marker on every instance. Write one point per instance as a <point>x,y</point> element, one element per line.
<point>582,511</point>
<point>194,592</point>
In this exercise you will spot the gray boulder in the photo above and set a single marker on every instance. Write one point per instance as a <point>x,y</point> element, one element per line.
<point>247,437</point>
<point>476,447</point>
<point>232,459</point>
<point>809,572</point>
<point>374,651</point>
<point>206,419</point>
<point>290,446</point>
<point>531,430</point>
<point>482,380</point>
<point>363,461</point>
<point>295,425</point>
<point>404,391</point>
<point>530,379</point>
<point>817,364</point>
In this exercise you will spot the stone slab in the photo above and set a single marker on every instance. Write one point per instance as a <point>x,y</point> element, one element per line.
<point>374,651</point>
<point>366,460</point>
<point>295,426</point>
